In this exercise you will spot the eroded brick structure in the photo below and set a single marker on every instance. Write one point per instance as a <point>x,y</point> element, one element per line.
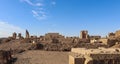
<point>14,35</point>
<point>84,34</point>
<point>20,36</point>
<point>27,34</point>
<point>94,56</point>
<point>111,35</point>
<point>117,33</point>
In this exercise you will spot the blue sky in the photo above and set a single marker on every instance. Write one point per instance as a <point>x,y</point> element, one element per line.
<point>68,17</point>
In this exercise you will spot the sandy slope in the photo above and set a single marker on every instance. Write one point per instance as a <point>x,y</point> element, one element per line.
<point>42,57</point>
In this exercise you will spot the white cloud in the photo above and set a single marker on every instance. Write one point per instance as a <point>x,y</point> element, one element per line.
<point>32,4</point>
<point>39,4</point>
<point>53,3</point>
<point>39,8</point>
<point>35,13</point>
<point>28,2</point>
<point>7,29</point>
<point>39,14</point>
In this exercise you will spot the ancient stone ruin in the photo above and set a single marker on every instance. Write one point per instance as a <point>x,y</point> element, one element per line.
<point>94,56</point>
<point>27,34</point>
<point>59,42</point>
<point>5,57</point>
<point>84,34</point>
<point>14,35</point>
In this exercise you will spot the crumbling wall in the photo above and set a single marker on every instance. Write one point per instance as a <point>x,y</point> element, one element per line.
<point>5,57</point>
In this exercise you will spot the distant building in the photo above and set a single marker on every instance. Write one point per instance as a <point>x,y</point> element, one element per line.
<point>84,34</point>
<point>111,35</point>
<point>94,41</point>
<point>114,35</point>
<point>104,41</point>
<point>95,37</point>
<point>53,37</point>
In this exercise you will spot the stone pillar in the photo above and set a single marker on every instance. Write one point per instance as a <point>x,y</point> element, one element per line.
<point>27,34</point>
<point>14,35</point>
<point>19,35</point>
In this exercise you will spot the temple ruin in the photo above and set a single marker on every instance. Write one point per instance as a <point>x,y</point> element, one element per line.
<point>94,56</point>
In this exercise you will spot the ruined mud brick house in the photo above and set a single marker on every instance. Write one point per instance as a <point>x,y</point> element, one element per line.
<point>94,56</point>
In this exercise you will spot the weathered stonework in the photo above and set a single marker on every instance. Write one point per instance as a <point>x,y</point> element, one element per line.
<point>94,56</point>
<point>104,41</point>
<point>14,35</point>
<point>117,33</point>
<point>111,35</point>
<point>95,37</point>
<point>19,36</point>
<point>27,34</point>
<point>84,34</point>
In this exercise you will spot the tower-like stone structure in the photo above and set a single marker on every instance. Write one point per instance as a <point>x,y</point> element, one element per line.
<point>14,35</point>
<point>19,35</point>
<point>27,34</point>
<point>84,34</point>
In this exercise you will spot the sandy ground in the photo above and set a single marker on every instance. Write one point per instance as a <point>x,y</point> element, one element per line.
<point>13,46</point>
<point>42,57</point>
